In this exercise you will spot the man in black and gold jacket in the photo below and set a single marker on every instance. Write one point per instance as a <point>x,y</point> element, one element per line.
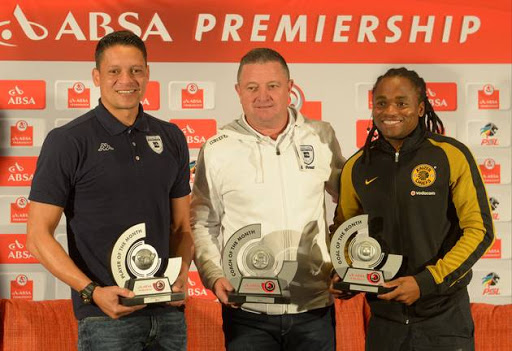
<point>426,201</point>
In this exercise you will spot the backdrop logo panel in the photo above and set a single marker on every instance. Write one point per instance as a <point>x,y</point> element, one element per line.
<point>17,171</point>
<point>196,131</point>
<point>151,99</point>
<point>13,249</point>
<point>192,95</point>
<point>71,94</point>
<point>22,94</point>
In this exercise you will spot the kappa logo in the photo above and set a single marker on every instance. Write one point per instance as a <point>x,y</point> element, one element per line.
<point>423,175</point>
<point>105,147</point>
<point>155,143</point>
<point>308,155</point>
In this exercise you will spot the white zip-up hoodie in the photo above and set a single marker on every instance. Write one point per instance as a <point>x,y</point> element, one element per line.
<point>244,178</point>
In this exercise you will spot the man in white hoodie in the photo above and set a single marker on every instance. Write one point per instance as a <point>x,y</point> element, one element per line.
<point>269,168</point>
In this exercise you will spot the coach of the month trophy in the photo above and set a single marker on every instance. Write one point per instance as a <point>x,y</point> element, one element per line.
<point>359,259</point>
<point>256,267</point>
<point>134,265</point>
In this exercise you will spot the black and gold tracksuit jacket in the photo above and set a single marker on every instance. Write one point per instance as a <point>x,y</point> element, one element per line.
<point>428,203</point>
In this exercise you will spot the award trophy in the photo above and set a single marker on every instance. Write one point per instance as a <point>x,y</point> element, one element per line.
<point>256,268</point>
<point>134,265</point>
<point>359,260</point>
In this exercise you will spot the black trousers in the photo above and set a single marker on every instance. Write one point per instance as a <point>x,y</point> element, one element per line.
<point>312,330</point>
<point>452,329</point>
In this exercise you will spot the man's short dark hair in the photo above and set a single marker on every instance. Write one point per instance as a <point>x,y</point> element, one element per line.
<point>262,55</point>
<point>122,37</point>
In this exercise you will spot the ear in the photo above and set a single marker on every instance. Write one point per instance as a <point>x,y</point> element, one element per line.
<point>96,77</point>
<point>290,85</point>
<point>238,89</point>
<point>421,109</point>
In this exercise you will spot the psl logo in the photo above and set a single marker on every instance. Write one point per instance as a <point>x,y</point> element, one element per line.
<point>489,282</point>
<point>488,131</point>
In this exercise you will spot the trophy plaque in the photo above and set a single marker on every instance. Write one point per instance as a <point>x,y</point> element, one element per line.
<point>256,267</point>
<point>134,265</point>
<point>359,259</point>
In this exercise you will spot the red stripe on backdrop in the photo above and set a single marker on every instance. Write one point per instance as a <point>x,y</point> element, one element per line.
<point>373,31</point>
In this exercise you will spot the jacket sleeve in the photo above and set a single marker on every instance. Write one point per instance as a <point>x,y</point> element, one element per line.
<point>206,214</point>
<point>337,160</point>
<point>473,211</point>
<point>349,204</point>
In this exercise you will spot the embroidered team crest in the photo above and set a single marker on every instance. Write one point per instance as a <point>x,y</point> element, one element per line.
<point>308,154</point>
<point>155,143</point>
<point>423,175</point>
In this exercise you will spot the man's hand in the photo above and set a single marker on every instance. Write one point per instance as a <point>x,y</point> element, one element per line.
<point>406,290</point>
<point>340,294</point>
<point>107,299</point>
<point>180,285</point>
<point>221,288</point>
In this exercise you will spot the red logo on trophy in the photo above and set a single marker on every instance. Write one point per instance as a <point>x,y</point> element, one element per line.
<point>488,98</point>
<point>22,134</point>
<point>79,96</point>
<point>192,97</point>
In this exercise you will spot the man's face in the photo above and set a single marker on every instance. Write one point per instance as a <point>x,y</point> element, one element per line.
<point>264,92</point>
<point>396,109</point>
<point>122,77</point>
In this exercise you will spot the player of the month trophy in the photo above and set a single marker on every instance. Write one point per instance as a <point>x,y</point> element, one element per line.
<point>359,259</point>
<point>256,269</point>
<point>134,265</point>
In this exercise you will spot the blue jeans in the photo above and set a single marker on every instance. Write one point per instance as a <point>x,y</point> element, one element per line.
<point>312,330</point>
<point>163,331</point>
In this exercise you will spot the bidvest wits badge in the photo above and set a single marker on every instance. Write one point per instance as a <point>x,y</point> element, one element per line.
<point>423,175</point>
<point>155,143</point>
<point>308,154</point>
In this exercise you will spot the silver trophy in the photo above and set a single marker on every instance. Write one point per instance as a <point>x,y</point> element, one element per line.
<point>134,265</point>
<point>256,267</point>
<point>359,259</point>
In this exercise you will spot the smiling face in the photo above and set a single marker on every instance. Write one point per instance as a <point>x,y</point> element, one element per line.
<point>122,77</point>
<point>396,109</point>
<point>264,92</point>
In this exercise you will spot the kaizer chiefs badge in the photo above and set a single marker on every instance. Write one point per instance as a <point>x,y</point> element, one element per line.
<point>423,175</point>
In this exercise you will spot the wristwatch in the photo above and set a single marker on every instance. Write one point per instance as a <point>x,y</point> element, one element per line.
<point>86,293</point>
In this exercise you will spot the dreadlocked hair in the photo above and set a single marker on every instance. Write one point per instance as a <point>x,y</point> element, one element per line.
<point>429,121</point>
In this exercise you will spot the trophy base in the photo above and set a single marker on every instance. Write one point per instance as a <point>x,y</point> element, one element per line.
<point>257,298</point>
<point>149,299</point>
<point>372,289</point>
